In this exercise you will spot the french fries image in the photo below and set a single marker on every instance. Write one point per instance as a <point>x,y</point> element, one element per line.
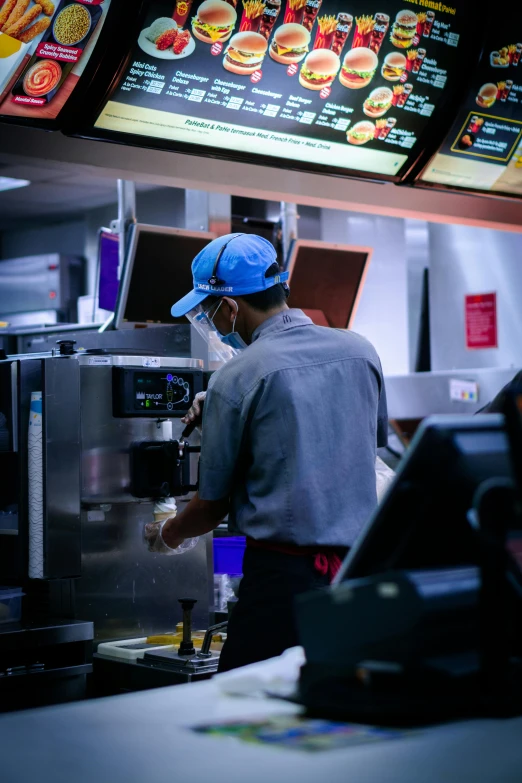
<point>253,8</point>
<point>27,19</point>
<point>327,24</point>
<point>38,27</point>
<point>365,24</point>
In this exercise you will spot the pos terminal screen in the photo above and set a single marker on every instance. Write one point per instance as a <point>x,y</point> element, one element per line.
<point>319,84</point>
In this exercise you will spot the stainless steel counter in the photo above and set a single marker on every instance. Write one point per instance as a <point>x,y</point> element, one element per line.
<point>143,738</point>
<point>421,394</point>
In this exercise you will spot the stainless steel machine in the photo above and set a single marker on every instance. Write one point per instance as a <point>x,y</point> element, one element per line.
<point>111,445</point>
<point>131,455</point>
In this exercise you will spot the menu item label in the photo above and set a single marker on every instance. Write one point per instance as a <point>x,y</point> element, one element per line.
<point>305,79</point>
<point>483,149</point>
<point>481,321</point>
<point>484,136</point>
<point>58,45</point>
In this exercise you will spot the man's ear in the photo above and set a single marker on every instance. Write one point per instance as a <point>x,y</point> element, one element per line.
<point>232,310</point>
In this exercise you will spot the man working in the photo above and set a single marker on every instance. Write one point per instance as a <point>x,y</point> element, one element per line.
<point>289,435</point>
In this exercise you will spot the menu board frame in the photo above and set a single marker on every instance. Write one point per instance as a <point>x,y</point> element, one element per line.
<point>415,177</point>
<point>416,180</point>
<point>429,139</point>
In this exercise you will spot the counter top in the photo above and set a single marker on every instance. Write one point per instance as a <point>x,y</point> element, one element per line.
<point>144,737</point>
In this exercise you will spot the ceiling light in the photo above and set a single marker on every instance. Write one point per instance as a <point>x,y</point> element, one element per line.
<point>9,183</point>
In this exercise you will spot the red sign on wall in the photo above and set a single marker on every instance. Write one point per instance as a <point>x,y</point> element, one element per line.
<point>481,321</point>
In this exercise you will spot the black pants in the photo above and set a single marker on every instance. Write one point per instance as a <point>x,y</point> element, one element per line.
<point>262,623</point>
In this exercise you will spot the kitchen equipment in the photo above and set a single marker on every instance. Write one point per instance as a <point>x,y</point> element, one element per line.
<point>98,407</point>
<point>185,661</point>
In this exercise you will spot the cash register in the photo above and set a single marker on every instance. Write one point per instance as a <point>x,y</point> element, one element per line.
<point>424,620</point>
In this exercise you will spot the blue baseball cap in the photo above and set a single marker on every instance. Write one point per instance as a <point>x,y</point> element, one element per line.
<point>242,261</point>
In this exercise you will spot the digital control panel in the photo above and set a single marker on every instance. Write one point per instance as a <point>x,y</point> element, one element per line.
<point>161,392</point>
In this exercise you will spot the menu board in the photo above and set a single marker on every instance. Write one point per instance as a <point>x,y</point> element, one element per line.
<point>343,84</point>
<point>483,150</point>
<point>44,48</point>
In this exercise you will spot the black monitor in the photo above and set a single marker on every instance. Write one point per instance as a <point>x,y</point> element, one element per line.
<point>422,521</point>
<point>157,273</point>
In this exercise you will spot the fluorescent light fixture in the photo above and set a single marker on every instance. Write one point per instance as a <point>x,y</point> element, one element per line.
<point>9,183</point>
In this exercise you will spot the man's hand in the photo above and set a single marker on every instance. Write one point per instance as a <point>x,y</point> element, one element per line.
<point>197,518</point>
<point>162,538</point>
<point>195,413</point>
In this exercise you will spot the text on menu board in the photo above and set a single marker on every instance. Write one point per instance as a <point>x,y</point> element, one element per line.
<point>322,81</point>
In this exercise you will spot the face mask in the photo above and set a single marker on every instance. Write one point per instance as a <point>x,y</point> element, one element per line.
<point>233,339</point>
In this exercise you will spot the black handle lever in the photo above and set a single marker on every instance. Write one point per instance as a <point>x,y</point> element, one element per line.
<point>189,429</point>
<point>207,641</point>
<point>187,647</point>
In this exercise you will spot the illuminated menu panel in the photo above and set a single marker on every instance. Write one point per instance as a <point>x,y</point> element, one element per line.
<point>44,48</point>
<point>483,150</point>
<point>348,85</point>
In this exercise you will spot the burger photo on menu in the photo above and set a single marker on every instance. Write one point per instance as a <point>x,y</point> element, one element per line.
<point>361,133</point>
<point>215,21</point>
<point>319,69</point>
<point>290,43</point>
<point>404,29</point>
<point>378,102</point>
<point>393,67</point>
<point>487,95</point>
<point>245,53</point>
<point>359,68</point>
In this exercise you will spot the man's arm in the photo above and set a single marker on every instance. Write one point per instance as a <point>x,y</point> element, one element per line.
<point>221,439</point>
<point>199,517</point>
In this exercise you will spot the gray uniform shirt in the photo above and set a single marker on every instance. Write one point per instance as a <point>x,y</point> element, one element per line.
<point>290,431</point>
